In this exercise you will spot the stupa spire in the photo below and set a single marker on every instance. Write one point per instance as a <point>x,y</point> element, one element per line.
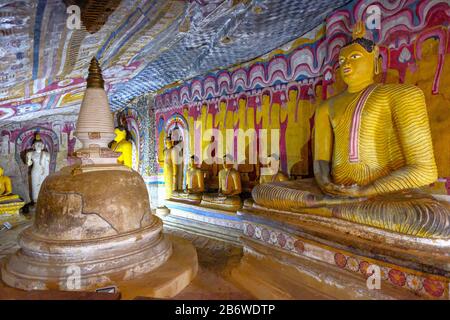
<point>95,78</point>
<point>95,125</point>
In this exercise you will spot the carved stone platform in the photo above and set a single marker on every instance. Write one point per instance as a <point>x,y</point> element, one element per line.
<point>287,254</point>
<point>43,264</point>
<point>92,229</point>
<point>165,281</point>
<point>11,208</point>
<point>213,223</point>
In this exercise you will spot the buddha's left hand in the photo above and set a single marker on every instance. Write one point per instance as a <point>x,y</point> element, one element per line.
<point>353,191</point>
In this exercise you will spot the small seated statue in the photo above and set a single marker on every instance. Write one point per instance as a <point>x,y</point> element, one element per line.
<point>9,203</point>
<point>230,187</point>
<point>6,188</point>
<point>278,176</point>
<point>372,150</point>
<point>195,185</point>
<point>123,146</point>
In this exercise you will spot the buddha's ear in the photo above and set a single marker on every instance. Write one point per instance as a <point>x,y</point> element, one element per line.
<point>376,55</point>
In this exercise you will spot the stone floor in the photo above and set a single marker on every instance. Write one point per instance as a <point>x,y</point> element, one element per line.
<point>216,259</point>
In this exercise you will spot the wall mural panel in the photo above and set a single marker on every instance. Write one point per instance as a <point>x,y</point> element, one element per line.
<point>282,89</point>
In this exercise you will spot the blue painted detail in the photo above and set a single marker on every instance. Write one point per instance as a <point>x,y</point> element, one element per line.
<point>203,212</point>
<point>155,182</point>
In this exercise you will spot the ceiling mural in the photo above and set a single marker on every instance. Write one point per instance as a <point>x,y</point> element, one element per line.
<point>142,45</point>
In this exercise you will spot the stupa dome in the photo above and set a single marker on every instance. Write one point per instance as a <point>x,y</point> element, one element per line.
<point>89,205</point>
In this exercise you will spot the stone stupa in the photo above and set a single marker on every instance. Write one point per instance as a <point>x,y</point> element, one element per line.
<point>93,226</point>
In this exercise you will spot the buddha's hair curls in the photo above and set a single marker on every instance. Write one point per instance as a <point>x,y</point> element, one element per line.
<point>367,44</point>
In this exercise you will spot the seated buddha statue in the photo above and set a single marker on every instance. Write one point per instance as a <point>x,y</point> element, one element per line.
<point>230,187</point>
<point>195,185</point>
<point>274,174</point>
<point>6,188</point>
<point>9,203</point>
<point>123,146</point>
<point>372,153</point>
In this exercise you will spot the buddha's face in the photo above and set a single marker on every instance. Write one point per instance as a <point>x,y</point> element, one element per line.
<point>227,164</point>
<point>38,146</point>
<point>120,135</point>
<point>192,163</point>
<point>292,95</point>
<point>356,64</point>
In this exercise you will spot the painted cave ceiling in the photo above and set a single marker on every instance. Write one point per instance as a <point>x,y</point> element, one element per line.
<point>142,45</point>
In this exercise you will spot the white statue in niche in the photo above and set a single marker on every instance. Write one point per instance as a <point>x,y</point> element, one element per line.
<point>40,160</point>
<point>4,145</point>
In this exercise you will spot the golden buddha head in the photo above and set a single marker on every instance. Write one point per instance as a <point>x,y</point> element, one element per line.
<point>168,142</point>
<point>358,59</point>
<point>121,134</point>
<point>38,146</point>
<point>192,161</point>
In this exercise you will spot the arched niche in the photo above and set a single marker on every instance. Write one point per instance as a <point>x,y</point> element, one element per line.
<point>177,127</point>
<point>25,139</point>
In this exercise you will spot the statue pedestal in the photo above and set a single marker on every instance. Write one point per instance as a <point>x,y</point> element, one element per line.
<point>213,223</point>
<point>298,256</point>
<point>11,208</point>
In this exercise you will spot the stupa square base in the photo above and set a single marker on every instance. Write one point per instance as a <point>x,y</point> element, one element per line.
<point>43,264</point>
<point>166,281</point>
<point>170,278</point>
<point>217,224</point>
<point>11,208</point>
<point>288,255</point>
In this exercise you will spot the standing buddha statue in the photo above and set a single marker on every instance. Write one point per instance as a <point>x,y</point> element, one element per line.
<point>39,159</point>
<point>372,150</point>
<point>173,167</point>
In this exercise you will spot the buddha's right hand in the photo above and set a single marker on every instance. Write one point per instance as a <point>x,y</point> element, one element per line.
<point>322,176</point>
